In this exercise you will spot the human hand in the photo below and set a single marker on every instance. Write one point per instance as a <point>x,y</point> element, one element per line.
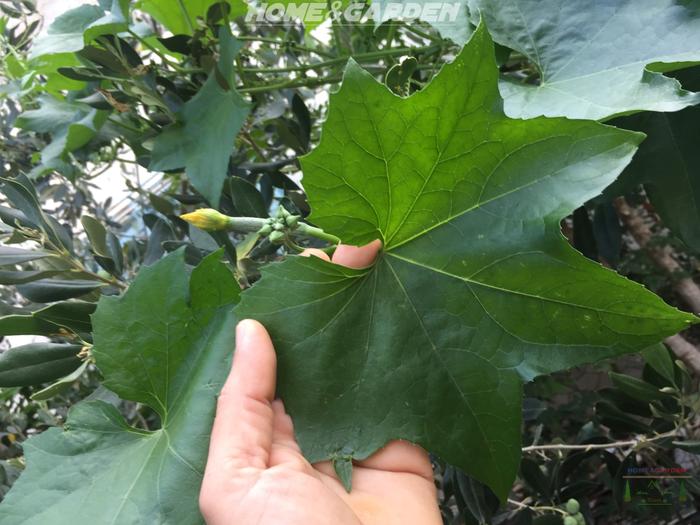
<point>256,474</point>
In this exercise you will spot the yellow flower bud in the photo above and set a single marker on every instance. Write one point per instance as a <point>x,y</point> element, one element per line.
<point>207,219</point>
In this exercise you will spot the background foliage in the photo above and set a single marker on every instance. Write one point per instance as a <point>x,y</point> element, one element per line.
<point>117,91</point>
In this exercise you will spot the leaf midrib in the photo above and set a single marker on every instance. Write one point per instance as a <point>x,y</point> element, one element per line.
<point>444,366</point>
<point>436,163</point>
<point>481,203</point>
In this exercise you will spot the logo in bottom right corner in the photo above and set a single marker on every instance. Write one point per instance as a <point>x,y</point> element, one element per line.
<point>656,486</point>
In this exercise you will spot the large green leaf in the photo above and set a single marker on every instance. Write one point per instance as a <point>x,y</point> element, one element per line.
<point>202,141</point>
<point>166,350</point>
<point>596,58</point>
<point>476,289</point>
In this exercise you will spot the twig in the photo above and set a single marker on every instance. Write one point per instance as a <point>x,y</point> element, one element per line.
<point>537,508</point>
<point>596,446</point>
<point>304,82</point>
<point>285,43</point>
<point>245,135</point>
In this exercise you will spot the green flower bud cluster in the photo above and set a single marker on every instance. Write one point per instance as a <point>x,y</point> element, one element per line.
<point>575,517</point>
<point>276,228</point>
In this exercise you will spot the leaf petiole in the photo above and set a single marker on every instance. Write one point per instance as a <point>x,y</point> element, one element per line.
<point>211,220</point>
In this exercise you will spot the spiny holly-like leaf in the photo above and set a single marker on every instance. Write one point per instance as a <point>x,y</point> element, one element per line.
<point>202,141</point>
<point>476,289</point>
<point>596,59</point>
<point>167,350</point>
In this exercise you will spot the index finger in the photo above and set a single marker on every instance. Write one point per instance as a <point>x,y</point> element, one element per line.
<point>357,256</point>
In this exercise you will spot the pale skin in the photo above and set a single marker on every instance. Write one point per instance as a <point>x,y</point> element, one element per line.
<point>256,474</point>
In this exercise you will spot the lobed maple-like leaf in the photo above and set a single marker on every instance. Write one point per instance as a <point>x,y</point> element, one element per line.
<point>596,59</point>
<point>164,343</point>
<point>475,291</point>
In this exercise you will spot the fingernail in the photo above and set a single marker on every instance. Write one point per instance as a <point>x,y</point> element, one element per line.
<point>244,331</point>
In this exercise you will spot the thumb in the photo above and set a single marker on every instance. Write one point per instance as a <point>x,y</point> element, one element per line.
<point>242,432</point>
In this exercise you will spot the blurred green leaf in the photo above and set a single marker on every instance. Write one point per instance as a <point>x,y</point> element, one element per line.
<point>532,474</point>
<point>60,385</point>
<point>474,495</point>
<point>657,356</point>
<point>37,363</point>
<point>71,125</point>
<point>618,420</point>
<point>246,198</point>
<point>52,290</point>
<point>105,245</point>
<point>636,388</point>
<point>51,320</point>
<point>180,17</point>
<point>9,255</point>
<point>203,139</point>
<point>668,165</point>
<point>161,204</point>
<point>21,193</point>
<point>97,235</point>
<point>77,27</point>
<point>398,77</point>
<point>21,277</point>
<point>689,446</point>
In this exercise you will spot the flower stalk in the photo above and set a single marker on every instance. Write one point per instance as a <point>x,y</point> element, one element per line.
<point>277,229</point>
